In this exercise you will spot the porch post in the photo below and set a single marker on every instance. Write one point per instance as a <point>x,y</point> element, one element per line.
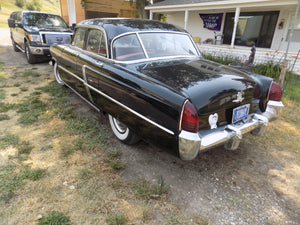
<point>151,15</point>
<point>236,20</point>
<point>72,12</point>
<point>186,18</point>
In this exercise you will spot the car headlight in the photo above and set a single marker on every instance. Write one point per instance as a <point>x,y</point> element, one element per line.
<point>35,38</point>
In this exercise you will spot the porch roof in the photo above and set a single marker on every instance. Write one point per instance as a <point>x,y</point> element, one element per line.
<point>191,5</point>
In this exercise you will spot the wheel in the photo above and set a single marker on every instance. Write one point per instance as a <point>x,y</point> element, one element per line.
<point>30,58</point>
<point>56,74</point>
<point>122,132</point>
<point>14,45</point>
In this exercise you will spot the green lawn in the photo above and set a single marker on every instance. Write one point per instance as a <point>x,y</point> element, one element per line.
<point>8,6</point>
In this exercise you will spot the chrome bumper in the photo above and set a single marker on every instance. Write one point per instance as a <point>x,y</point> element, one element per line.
<point>190,144</point>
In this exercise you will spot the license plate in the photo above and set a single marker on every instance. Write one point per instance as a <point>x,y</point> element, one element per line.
<point>240,113</point>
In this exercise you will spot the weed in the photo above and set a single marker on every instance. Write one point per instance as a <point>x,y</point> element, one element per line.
<point>17,85</point>
<point>113,160</point>
<point>47,147</point>
<point>14,94</point>
<point>173,220</point>
<point>147,191</point>
<point>4,117</point>
<point>35,174</point>
<point>55,218</point>
<point>66,149</point>
<point>118,219</point>
<point>25,148</point>
<point>24,89</point>
<point>84,174</point>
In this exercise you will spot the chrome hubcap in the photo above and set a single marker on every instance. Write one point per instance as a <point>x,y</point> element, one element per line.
<point>120,126</point>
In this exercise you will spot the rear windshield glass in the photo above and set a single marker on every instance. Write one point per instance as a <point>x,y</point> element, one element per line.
<point>152,45</point>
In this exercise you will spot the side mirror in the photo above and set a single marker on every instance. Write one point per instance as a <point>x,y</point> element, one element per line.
<point>72,27</point>
<point>11,23</point>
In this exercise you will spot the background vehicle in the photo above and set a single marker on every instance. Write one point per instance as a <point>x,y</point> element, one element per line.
<point>34,32</point>
<point>152,81</point>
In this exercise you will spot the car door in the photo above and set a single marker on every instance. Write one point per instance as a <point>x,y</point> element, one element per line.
<point>19,32</point>
<point>69,58</point>
<point>90,65</point>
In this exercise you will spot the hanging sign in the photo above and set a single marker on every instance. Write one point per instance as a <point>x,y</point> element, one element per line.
<point>212,21</point>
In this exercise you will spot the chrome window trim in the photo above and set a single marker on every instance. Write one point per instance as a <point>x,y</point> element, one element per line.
<point>141,43</point>
<point>114,100</point>
<point>103,33</point>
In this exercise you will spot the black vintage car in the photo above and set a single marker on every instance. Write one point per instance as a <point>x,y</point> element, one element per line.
<point>33,32</point>
<point>151,80</point>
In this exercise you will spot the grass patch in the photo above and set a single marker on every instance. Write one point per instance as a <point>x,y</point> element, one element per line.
<point>25,148</point>
<point>54,218</point>
<point>147,191</point>
<point>292,90</point>
<point>5,107</point>
<point>118,219</point>
<point>30,110</point>
<point>114,161</point>
<point>9,140</point>
<point>13,178</point>
<point>30,73</point>
<point>4,117</point>
<point>173,220</point>
<point>24,89</point>
<point>2,94</point>
<point>17,85</point>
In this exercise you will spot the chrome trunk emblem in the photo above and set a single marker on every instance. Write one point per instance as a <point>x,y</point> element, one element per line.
<point>239,97</point>
<point>213,120</point>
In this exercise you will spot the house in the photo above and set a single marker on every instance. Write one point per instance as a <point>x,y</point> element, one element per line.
<point>231,26</point>
<point>74,11</point>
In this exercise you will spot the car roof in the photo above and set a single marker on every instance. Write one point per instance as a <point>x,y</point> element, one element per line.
<point>117,26</point>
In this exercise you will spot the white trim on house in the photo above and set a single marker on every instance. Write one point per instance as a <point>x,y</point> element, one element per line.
<point>187,16</point>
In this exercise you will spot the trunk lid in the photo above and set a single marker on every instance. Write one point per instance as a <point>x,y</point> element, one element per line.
<point>211,87</point>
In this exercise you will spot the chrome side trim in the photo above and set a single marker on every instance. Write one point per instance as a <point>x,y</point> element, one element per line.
<point>113,100</point>
<point>86,83</point>
<point>83,97</point>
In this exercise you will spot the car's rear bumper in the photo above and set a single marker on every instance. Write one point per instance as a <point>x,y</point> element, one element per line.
<point>190,144</point>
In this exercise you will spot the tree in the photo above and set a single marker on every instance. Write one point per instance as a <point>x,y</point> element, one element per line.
<point>140,6</point>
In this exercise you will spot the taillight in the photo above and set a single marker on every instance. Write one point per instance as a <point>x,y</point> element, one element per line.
<point>275,92</point>
<point>189,120</point>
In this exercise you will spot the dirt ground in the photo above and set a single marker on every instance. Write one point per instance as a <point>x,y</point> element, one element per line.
<point>257,184</point>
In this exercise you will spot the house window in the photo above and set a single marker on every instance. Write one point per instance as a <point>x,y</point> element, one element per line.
<point>296,33</point>
<point>255,27</point>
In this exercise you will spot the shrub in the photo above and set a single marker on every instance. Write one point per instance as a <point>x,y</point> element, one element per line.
<point>34,5</point>
<point>20,3</point>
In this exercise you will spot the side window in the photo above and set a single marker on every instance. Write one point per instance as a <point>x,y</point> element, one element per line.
<point>79,37</point>
<point>19,17</point>
<point>96,42</point>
